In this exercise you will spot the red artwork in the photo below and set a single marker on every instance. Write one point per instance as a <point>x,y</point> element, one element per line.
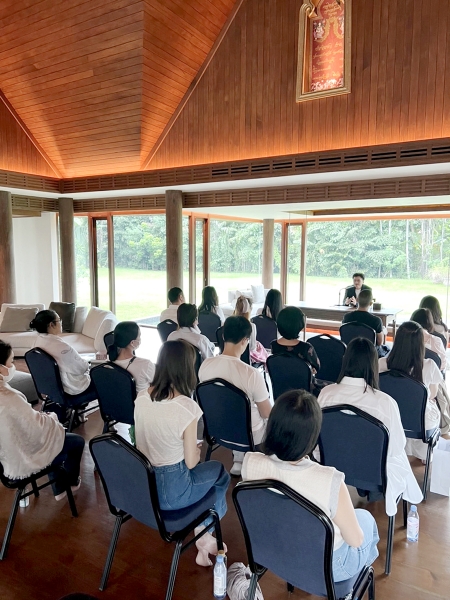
<point>328,51</point>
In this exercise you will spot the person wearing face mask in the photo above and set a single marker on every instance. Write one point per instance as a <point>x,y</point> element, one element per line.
<point>127,339</point>
<point>30,440</point>
<point>73,368</point>
<point>188,330</point>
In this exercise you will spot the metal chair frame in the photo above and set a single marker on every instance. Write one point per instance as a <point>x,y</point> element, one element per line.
<point>208,323</point>
<point>317,342</point>
<point>163,329</point>
<point>297,363</point>
<point>365,332</point>
<point>261,331</point>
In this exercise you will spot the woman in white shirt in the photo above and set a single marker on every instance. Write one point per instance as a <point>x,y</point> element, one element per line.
<point>188,330</point>
<point>358,385</point>
<point>73,368</point>
<point>424,317</point>
<point>166,432</point>
<point>292,432</point>
<point>210,303</point>
<point>127,339</point>
<point>433,304</point>
<point>408,356</point>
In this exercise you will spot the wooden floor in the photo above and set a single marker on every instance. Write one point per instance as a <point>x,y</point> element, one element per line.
<point>53,554</point>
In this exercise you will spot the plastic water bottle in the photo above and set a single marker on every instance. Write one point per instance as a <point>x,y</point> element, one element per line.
<point>412,528</point>
<point>220,576</point>
<point>24,502</point>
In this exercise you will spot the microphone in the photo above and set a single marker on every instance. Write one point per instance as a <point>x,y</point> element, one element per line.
<point>341,290</point>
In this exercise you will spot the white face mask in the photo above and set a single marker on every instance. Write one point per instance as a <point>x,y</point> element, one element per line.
<point>11,373</point>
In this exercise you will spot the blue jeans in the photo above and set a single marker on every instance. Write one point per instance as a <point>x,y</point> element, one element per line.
<point>348,561</point>
<point>179,486</point>
<point>70,457</point>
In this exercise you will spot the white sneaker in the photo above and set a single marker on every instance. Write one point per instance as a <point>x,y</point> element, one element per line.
<point>236,469</point>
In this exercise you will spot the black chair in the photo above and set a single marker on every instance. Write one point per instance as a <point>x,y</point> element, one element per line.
<point>288,372</point>
<point>47,381</point>
<point>434,357</point>
<point>226,416</point>
<point>208,324</point>
<point>352,330</point>
<point>20,484</point>
<point>116,390</point>
<point>108,339</point>
<point>411,397</point>
<point>245,357</point>
<point>287,534</point>
<point>330,352</point>
<point>356,444</point>
<point>266,330</point>
<point>130,488</point>
<point>165,328</point>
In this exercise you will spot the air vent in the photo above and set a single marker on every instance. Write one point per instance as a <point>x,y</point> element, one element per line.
<point>306,163</point>
<point>239,169</point>
<point>378,156</point>
<point>261,168</point>
<point>278,166</point>
<point>223,172</point>
<point>329,160</point>
<point>440,150</point>
<point>414,153</point>
<point>351,159</point>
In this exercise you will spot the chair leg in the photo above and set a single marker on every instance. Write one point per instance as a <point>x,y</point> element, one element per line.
<point>111,551</point>
<point>10,526</point>
<point>173,570</point>
<point>252,587</point>
<point>405,513</point>
<point>427,470</point>
<point>290,588</point>
<point>218,532</point>
<point>71,420</point>
<point>390,543</point>
<point>372,586</point>
<point>35,488</point>
<point>71,500</point>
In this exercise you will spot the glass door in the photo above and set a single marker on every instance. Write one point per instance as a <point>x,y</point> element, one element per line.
<point>102,267</point>
<point>294,287</point>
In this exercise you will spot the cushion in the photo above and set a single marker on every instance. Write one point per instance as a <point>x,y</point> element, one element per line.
<point>108,325</point>
<point>17,319</point>
<point>93,321</point>
<point>5,305</point>
<point>258,293</point>
<point>66,312</point>
<point>81,313</point>
<point>81,343</point>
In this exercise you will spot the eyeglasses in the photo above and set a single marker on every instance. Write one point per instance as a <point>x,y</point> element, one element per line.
<point>57,321</point>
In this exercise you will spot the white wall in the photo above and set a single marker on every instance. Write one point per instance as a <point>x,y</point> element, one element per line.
<point>36,259</point>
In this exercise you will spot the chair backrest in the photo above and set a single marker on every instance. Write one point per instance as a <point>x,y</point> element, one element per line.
<point>165,328</point>
<point>266,330</point>
<point>116,390</point>
<point>411,397</point>
<point>356,444</point>
<point>208,323</point>
<point>434,357</point>
<point>108,339</point>
<point>128,480</point>
<point>46,376</point>
<point>330,352</point>
<point>286,534</point>
<point>226,414</point>
<point>245,357</point>
<point>288,372</point>
<point>352,330</point>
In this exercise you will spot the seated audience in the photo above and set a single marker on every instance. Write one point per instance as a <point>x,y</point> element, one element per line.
<point>176,297</point>
<point>127,339</point>
<point>273,304</point>
<point>30,440</point>
<point>290,322</point>
<point>244,309</point>
<point>362,315</point>
<point>433,304</point>
<point>358,386</point>
<point>352,292</point>
<point>292,433</point>
<point>210,303</point>
<point>424,317</point>
<point>228,366</point>
<point>73,368</point>
<point>408,357</point>
<point>166,432</point>
<point>188,330</point>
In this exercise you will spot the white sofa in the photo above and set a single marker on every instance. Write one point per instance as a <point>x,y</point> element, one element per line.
<point>88,331</point>
<point>233,295</point>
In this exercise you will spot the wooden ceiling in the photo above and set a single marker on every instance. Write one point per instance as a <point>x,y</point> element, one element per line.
<point>95,83</point>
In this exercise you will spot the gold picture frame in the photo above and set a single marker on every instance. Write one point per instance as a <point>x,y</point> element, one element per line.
<point>307,11</point>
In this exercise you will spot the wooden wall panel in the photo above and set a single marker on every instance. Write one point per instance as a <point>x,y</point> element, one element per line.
<point>244,106</point>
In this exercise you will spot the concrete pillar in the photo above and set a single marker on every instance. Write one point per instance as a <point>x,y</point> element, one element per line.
<point>267,257</point>
<point>7,274</point>
<point>174,238</point>
<point>67,251</point>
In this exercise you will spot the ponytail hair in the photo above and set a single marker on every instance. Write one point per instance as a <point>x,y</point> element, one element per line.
<point>124,333</point>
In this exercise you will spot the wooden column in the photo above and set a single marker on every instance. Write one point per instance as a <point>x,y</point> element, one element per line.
<point>67,251</point>
<point>267,257</point>
<point>7,274</point>
<point>174,238</point>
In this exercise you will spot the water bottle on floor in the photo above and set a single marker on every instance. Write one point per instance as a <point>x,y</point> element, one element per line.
<point>412,527</point>
<point>24,502</point>
<point>220,576</point>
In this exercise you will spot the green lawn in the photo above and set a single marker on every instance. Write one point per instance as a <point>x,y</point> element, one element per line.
<point>141,294</point>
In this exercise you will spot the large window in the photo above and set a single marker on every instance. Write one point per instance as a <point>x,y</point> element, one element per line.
<point>81,234</point>
<point>235,255</point>
<point>403,260</point>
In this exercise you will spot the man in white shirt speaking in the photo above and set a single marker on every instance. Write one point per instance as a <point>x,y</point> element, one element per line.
<point>228,366</point>
<point>176,298</point>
